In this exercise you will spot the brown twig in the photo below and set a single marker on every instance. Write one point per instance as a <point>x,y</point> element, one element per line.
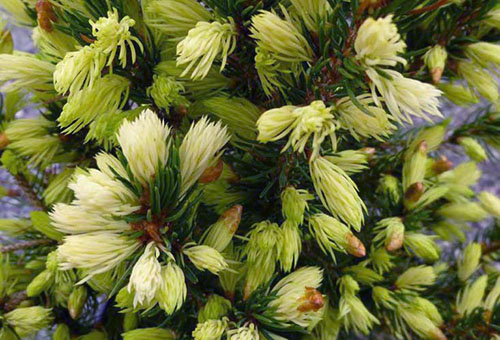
<point>28,190</point>
<point>490,248</point>
<point>14,300</point>
<point>429,8</point>
<point>24,244</point>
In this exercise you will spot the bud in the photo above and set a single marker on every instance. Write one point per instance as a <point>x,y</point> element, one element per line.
<point>463,211</point>
<point>215,308</point>
<point>435,60</point>
<point>62,332</point>
<point>429,309</point>
<point>348,286</point>
<point>125,300</point>
<point>390,231</point>
<point>174,18</point>
<point>352,311</point>
<point>291,246</point>
<point>294,203</point>
<point>473,149</point>
<point>52,262</point>
<point>458,94</point>
<point>113,33</point>
<point>24,71</point>
<point>441,165</point>
<point>433,136</point>
<point>212,173</point>
<point>440,267</point>
<point>414,193</point>
<point>378,43</point>
<point>460,179</point>
<point>40,283</point>
<point>418,321</point>
<point>267,28</point>
<point>130,321</point>
<point>201,148</point>
<point>471,296</point>
<point>381,260</point>
<point>297,299</point>
<point>430,196</point>
<point>247,332</point>
<point>415,165</point>
<point>315,120</point>
<point>206,258</point>
<point>492,18</point>
<point>331,234</point>
<point>448,231</point>
<point>470,261</point>
<point>352,161</point>
<point>228,279</point>
<point>481,80</point>
<point>45,15</point>
<point>239,114</point>
<point>173,290</point>
<point>76,301</point>
<point>389,186</point>
<point>63,289</point>
<point>145,279</point>
<point>490,203</point>
<point>311,12</point>
<point>484,54</point>
<point>166,91</point>
<point>29,320</point>
<point>220,234</point>
<point>363,274</point>
<point>262,251</point>
<point>79,69</point>
<point>198,55</point>
<point>493,297</point>
<point>354,246</point>
<point>383,297</point>
<point>207,86</point>
<point>337,192</point>
<point>210,330</point>
<point>267,67</point>
<point>12,162</point>
<point>328,327</point>
<point>153,333</point>
<point>422,245</point>
<point>33,138</point>
<point>416,278</point>
<point>83,107</point>
<point>373,121</point>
